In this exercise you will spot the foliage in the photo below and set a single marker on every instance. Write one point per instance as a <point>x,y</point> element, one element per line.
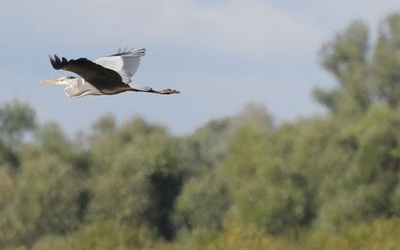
<point>101,236</point>
<point>387,61</point>
<point>16,118</point>
<point>141,180</point>
<point>346,59</point>
<point>367,187</point>
<point>202,204</point>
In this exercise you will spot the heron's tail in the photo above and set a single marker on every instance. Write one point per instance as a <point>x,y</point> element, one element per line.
<point>141,88</point>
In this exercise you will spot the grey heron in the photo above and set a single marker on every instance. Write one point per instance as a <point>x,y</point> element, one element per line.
<point>104,76</point>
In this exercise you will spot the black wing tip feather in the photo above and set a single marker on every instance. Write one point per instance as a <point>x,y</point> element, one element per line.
<point>62,63</point>
<point>58,63</point>
<point>54,61</point>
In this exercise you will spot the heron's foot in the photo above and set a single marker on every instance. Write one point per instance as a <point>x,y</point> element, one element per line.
<point>169,91</point>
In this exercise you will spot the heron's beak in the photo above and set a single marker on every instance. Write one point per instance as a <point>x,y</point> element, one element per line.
<point>50,81</point>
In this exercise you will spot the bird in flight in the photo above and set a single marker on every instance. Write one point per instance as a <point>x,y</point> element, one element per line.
<point>108,75</point>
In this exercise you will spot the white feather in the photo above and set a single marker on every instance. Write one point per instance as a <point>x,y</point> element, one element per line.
<point>124,63</point>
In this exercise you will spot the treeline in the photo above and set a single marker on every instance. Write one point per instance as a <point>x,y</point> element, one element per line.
<point>239,182</point>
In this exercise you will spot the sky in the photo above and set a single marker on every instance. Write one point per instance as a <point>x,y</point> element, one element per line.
<point>220,54</point>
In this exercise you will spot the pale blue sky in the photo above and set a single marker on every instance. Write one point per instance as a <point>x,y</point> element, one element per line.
<point>220,54</point>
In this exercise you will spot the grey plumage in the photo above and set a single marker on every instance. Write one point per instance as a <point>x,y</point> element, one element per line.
<point>104,76</point>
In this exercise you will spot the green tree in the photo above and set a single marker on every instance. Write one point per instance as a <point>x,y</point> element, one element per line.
<point>368,183</point>
<point>140,175</point>
<point>104,125</point>
<point>205,197</point>
<point>7,193</point>
<point>386,61</point>
<point>202,205</point>
<point>16,119</point>
<point>207,147</point>
<point>265,191</point>
<point>47,191</point>
<point>345,57</point>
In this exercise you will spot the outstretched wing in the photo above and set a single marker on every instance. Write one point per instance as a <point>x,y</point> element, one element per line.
<point>125,63</point>
<point>88,70</point>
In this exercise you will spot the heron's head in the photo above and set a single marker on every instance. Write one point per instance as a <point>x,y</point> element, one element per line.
<point>65,80</point>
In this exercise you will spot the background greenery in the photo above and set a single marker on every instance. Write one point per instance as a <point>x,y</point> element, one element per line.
<point>239,182</point>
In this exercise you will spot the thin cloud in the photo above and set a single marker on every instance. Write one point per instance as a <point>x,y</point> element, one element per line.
<point>231,27</point>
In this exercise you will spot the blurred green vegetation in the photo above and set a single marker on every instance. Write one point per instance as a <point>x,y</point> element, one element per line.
<point>238,182</point>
